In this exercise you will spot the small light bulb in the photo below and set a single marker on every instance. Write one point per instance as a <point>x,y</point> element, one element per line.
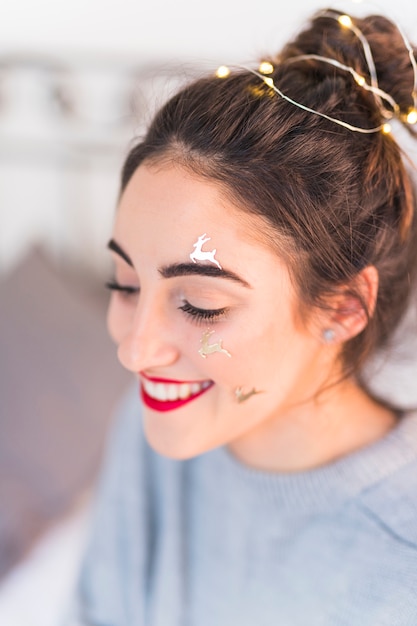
<point>266,67</point>
<point>345,20</point>
<point>386,129</point>
<point>360,80</point>
<point>412,117</point>
<point>269,82</point>
<point>222,71</point>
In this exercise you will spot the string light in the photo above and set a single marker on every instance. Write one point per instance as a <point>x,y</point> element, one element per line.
<point>266,67</point>
<point>358,78</point>
<point>268,80</point>
<point>409,50</point>
<point>344,20</point>
<point>412,117</point>
<point>222,72</point>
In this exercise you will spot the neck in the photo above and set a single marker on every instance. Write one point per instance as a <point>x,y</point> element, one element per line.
<point>341,420</point>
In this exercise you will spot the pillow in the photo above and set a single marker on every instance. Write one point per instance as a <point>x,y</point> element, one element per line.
<point>392,373</point>
<point>59,383</point>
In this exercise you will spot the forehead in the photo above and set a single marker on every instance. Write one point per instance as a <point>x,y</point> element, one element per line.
<point>180,204</point>
<point>163,212</point>
<point>179,199</point>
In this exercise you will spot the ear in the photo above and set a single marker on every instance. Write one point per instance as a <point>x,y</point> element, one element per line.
<point>350,310</point>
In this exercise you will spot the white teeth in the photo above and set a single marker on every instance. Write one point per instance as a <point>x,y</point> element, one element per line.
<point>173,391</point>
<point>184,391</point>
<point>160,392</point>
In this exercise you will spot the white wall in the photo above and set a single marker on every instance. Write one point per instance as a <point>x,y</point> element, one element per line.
<point>157,29</point>
<point>69,72</point>
<point>161,29</point>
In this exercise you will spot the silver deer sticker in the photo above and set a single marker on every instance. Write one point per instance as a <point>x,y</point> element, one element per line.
<point>200,255</point>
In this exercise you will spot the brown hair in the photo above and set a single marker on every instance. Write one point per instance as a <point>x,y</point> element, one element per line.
<point>343,199</point>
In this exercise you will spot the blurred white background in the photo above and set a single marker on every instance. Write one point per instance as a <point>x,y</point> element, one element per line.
<point>78,81</point>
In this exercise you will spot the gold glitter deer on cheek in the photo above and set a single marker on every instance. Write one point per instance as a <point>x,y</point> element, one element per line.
<point>209,348</point>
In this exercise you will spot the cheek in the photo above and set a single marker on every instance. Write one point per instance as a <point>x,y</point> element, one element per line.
<point>262,351</point>
<point>119,318</point>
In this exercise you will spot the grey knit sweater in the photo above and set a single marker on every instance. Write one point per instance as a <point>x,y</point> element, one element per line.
<point>211,542</point>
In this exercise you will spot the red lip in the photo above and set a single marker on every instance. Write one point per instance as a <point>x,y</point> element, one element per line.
<point>167,405</point>
<point>168,380</point>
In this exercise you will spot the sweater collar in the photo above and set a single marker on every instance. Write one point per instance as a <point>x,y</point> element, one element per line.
<point>331,484</point>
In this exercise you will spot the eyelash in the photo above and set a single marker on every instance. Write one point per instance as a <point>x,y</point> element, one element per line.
<point>202,315</point>
<point>197,314</point>
<point>113,285</point>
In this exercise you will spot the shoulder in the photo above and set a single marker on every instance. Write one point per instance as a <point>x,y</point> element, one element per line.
<point>391,503</point>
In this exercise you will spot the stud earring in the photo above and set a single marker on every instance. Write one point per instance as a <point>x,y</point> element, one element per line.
<point>241,396</point>
<point>328,335</point>
<point>209,348</point>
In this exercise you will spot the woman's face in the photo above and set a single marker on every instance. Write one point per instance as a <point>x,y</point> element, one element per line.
<point>201,329</point>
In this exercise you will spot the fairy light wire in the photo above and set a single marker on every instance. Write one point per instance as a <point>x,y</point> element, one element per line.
<point>359,79</point>
<point>368,52</point>
<point>346,21</point>
<point>269,81</point>
<point>409,48</point>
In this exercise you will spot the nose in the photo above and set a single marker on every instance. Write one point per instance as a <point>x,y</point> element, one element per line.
<point>149,342</point>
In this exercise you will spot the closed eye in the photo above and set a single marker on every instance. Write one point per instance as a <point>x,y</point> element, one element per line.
<point>113,285</point>
<point>202,315</point>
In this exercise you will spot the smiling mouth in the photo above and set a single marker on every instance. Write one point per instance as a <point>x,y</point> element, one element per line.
<point>163,395</point>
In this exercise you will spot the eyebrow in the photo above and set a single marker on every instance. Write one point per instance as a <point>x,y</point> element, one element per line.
<point>175,270</point>
<point>194,269</point>
<point>112,245</point>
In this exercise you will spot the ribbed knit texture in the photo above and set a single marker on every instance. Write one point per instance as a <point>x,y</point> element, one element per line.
<point>211,542</point>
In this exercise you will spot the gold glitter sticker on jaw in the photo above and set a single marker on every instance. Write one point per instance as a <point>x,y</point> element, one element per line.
<point>201,255</point>
<point>210,348</point>
<point>241,396</point>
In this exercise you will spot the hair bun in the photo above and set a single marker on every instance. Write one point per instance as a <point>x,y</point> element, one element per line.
<point>375,52</point>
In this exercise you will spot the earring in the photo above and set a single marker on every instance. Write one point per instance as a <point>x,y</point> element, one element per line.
<point>241,397</point>
<point>209,348</point>
<point>328,335</point>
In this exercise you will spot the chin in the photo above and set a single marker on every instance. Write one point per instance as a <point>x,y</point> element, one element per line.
<point>173,447</point>
<point>174,443</point>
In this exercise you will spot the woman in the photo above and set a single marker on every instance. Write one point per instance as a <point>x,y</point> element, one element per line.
<point>264,247</point>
